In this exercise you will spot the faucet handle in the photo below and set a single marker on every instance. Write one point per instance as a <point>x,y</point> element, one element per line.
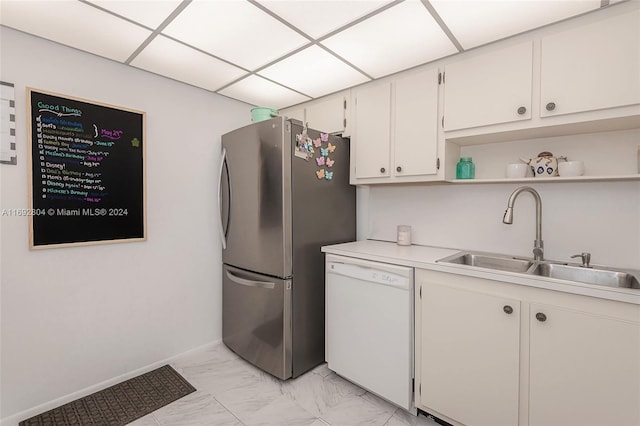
<point>586,258</point>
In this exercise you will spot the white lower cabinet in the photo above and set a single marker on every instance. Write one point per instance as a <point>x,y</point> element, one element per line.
<point>495,353</point>
<point>470,352</point>
<point>584,369</point>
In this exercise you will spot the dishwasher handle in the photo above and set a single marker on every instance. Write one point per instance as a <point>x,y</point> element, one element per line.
<point>372,274</point>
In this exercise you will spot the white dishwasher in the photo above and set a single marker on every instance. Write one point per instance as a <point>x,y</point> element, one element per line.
<point>369,326</point>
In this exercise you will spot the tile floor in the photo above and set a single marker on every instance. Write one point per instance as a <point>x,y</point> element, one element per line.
<point>232,392</point>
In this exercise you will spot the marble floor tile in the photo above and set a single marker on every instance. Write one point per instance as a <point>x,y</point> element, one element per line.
<point>403,418</point>
<point>244,401</point>
<point>382,404</point>
<point>322,369</point>
<point>196,409</point>
<point>358,411</point>
<point>219,376</point>
<point>317,393</point>
<point>232,391</point>
<point>218,352</point>
<point>281,412</point>
<point>147,420</point>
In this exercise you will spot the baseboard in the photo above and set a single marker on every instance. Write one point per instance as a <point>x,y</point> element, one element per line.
<point>14,419</point>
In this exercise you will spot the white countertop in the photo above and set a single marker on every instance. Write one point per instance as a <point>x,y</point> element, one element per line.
<point>425,257</point>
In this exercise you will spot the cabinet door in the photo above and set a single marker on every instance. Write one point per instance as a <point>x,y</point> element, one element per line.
<point>296,113</point>
<point>585,369</point>
<point>416,124</point>
<point>327,116</point>
<point>491,88</point>
<point>469,355</point>
<point>592,67</point>
<point>372,132</point>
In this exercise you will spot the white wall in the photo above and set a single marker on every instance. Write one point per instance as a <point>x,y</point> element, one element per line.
<point>602,218</point>
<point>74,317</point>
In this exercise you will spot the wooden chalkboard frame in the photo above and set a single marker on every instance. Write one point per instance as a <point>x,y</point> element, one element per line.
<point>103,223</point>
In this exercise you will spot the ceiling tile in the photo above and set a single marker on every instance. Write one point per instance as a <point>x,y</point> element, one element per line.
<point>75,24</point>
<point>401,37</point>
<point>327,15</point>
<point>172,59</point>
<point>315,72</point>
<point>236,31</point>
<point>150,13</point>
<point>258,91</point>
<point>478,22</point>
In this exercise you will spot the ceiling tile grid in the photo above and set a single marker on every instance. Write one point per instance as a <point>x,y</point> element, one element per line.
<point>278,53</point>
<point>175,60</point>
<point>401,37</point>
<point>75,24</point>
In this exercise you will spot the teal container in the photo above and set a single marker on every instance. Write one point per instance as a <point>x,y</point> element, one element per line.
<point>465,169</point>
<point>261,114</point>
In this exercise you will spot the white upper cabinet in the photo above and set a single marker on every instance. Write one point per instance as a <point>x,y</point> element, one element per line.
<point>492,88</point>
<point>591,67</point>
<point>371,137</point>
<point>327,115</point>
<point>395,130</point>
<point>416,124</point>
<point>295,113</point>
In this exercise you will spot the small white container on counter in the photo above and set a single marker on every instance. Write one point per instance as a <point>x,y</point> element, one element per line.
<point>404,235</point>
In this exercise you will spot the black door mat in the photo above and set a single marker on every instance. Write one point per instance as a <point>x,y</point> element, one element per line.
<point>119,404</point>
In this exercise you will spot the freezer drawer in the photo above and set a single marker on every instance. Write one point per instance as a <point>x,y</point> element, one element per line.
<point>369,326</point>
<point>256,319</point>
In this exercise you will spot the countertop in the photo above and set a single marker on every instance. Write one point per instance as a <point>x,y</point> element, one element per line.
<point>425,257</point>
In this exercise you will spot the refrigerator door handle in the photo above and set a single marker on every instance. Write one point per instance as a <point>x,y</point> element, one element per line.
<point>223,238</point>
<point>250,283</point>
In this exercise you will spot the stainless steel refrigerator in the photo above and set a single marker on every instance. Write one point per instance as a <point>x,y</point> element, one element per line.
<point>284,192</point>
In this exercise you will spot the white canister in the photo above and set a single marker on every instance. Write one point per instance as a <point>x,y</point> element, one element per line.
<point>404,235</point>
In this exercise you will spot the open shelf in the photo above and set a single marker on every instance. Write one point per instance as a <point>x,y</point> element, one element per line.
<point>548,179</point>
<point>607,156</point>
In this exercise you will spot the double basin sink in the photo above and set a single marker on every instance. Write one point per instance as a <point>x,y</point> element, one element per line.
<point>548,268</point>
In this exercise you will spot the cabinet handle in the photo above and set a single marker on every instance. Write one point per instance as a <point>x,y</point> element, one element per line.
<point>398,169</point>
<point>522,110</point>
<point>507,309</point>
<point>382,170</point>
<point>541,317</point>
<point>551,106</point>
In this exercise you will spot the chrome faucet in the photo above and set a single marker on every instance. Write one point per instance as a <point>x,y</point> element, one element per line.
<point>586,258</point>
<point>508,218</point>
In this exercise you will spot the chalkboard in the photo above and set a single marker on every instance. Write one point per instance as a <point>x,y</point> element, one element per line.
<point>87,177</point>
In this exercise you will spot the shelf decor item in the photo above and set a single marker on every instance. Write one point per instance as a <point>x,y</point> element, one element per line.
<point>544,165</point>
<point>517,170</point>
<point>465,169</point>
<point>571,168</point>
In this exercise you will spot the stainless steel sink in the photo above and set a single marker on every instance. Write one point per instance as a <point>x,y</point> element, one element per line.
<point>603,276</point>
<point>501,263</point>
<point>609,278</point>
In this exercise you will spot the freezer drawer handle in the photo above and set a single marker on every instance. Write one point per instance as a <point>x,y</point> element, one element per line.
<point>250,283</point>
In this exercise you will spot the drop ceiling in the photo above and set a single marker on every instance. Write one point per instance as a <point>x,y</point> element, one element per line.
<point>278,53</point>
